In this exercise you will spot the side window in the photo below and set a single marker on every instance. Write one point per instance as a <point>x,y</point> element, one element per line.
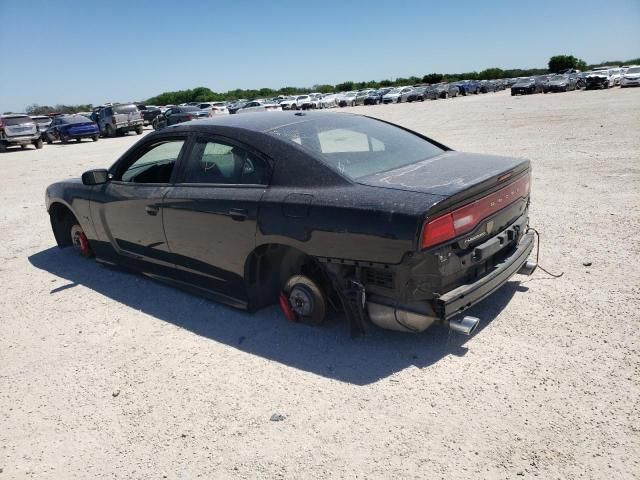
<point>155,164</point>
<point>217,162</point>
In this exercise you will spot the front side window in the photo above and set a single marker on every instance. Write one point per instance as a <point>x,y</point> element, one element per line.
<point>219,163</point>
<point>155,165</point>
<point>358,146</point>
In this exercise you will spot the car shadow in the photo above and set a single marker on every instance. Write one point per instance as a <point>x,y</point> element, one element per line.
<point>328,351</point>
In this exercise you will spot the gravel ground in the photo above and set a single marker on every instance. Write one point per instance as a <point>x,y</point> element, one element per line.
<point>105,374</point>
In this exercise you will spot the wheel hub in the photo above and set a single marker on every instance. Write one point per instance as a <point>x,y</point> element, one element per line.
<point>301,301</point>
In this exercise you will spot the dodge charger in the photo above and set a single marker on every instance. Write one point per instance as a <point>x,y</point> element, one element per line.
<point>317,212</point>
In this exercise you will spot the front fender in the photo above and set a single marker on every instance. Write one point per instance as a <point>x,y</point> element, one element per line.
<point>77,198</point>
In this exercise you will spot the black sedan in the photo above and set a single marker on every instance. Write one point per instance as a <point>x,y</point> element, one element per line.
<point>71,127</point>
<point>176,115</point>
<point>310,210</point>
<point>527,86</point>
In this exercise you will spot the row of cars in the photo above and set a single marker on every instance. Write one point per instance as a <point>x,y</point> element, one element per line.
<point>599,77</point>
<point>23,130</point>
<point>367,96</point>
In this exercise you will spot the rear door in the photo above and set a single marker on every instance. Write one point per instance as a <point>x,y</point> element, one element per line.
<point>210,215</point>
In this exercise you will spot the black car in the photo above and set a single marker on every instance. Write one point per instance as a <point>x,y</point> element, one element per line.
<point>487,86</point>
<point>375,96</point>
<point>71,127</point>
<point>445,90</point>
<point>175,115</point>
<point>418,94</point>
<point>527,86</point>
<point>311,210</point>
<point>149,113</point>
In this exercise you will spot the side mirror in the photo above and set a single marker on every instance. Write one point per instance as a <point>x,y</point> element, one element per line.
<point>95,177</point>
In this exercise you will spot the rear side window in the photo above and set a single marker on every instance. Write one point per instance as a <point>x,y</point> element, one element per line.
<point>125,109</point>
<point>220,163</point>
<point>16,120</point>
<point>358,146</point>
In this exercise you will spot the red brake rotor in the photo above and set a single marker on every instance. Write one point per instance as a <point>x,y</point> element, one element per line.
<point>85,248</point>
<point>286,308</point>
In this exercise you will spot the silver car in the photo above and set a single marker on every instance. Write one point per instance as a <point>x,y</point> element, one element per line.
<point>260,106</point>
<point>19,129</point>
<point>115,120</point>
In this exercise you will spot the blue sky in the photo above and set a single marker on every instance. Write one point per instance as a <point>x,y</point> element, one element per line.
<point>69,51</point>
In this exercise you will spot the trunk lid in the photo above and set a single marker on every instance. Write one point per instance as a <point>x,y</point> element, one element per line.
<point>455,176</point>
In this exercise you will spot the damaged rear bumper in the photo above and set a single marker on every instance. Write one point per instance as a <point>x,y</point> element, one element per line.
<point>418,316</point>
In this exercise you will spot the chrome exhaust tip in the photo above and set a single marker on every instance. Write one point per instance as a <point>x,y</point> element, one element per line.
<point>528,267</point>
<point>465,325</point>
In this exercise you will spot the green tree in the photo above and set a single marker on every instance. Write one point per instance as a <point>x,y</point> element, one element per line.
<point>559,63</point>
<point>344,86</point>
<point>491,73</point>
<point>432,78</point>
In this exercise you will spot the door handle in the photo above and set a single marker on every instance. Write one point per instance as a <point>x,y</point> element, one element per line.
<point>239,214</point>
<point>153,211</point>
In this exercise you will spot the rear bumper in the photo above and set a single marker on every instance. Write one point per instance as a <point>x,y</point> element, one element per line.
<point>419,315</point>
<point>84,134</point>
<point>465,296</point>
<point>129,125</point>
<point>20,140</point>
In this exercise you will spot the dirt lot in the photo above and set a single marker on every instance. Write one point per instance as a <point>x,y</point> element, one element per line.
<point>105,374</point>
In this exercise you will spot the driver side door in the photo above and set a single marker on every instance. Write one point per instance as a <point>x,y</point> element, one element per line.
<point>127,210</point>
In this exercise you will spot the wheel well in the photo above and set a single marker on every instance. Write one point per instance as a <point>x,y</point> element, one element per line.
<point>268,268</point>
<point>62,219</point>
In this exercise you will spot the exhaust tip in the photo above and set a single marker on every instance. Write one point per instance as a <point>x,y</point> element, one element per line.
<point>465,325</point>
<point>528,267</point>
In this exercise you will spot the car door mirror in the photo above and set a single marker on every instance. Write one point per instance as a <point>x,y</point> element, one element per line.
<point>95,177</point>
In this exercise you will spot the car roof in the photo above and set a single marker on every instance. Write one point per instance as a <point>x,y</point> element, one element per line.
<point>259,122</point>
<point>14,115</point>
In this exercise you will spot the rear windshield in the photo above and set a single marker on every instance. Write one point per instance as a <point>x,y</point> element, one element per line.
<point>125,108</point>
<point>17,120</point>
<point>74,119</point>
<point>357,146</point>
<point>189,109</point>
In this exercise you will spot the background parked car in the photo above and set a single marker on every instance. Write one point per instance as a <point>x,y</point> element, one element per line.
<point>348,99</point>
<point>445,90</point>
<point>18,129</point>
<point>560,83</point>
<point>178,114</point>
<point>148,112</point>
<point>631,77</point>
<point>417,94</point>
<point>214,108</point>
<point>396,95</point>
<point>468,87</point>
<point>43,122</point>
<point>527,86</point>
<point>71,127</point>
<point>260,106</point>
<point>119,119</point>
<point>237,105</point>
<point>599,79</point>
<point>330,101</point>
<point>375,96</point>
<point>487,86</point>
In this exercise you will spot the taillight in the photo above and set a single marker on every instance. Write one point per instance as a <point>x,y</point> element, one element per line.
<point>464,219</point>
<point>189,117</point>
